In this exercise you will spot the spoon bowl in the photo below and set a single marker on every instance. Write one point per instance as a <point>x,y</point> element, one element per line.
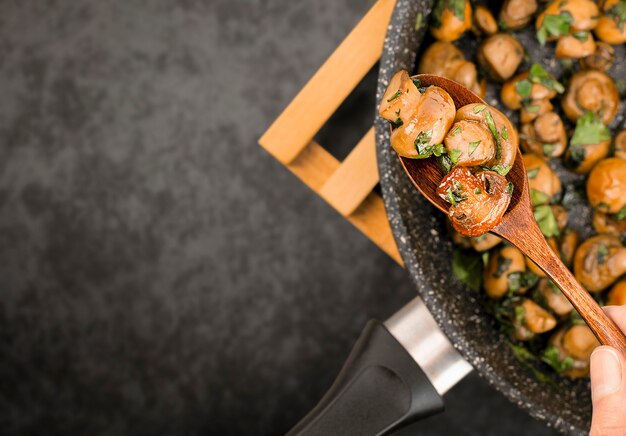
<point>518,226</point>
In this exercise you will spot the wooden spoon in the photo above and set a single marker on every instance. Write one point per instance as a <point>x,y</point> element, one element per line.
<point>518,225</point>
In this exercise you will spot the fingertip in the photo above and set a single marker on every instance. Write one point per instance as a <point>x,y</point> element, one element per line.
<point>606,372</point>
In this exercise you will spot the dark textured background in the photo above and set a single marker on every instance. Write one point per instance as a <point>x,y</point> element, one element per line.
<point>160,273</point>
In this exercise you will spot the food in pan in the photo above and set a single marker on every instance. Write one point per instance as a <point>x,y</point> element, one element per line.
<point>566,113</point>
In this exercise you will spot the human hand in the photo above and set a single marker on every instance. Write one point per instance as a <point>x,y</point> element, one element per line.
<point>608,384</point>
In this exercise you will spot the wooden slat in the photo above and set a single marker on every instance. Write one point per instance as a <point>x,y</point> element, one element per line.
<point>315,166</point>
<point>353,181</point>
<point>330,86</point>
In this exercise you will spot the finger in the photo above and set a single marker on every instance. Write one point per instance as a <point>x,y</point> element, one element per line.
<point>608,391</point>
<point>617,314</point>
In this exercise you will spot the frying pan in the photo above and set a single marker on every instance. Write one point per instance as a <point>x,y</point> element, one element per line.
<point>381,388</point>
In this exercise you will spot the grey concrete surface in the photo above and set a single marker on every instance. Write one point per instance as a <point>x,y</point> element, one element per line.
<point>161,274</point>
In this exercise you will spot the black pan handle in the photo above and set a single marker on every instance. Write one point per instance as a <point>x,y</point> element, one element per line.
<point>379,389</point>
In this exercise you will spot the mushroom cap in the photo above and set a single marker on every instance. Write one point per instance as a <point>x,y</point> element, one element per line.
<point>617,295</point>
<point>501,54</point>
<point>606,187</point>
<point>474,142</point>
<point>599,261</point>
<point>593,91</point>
<point>601,59</point>
<point>511,98</point>
<point>484,20</point>
<point>516,14</point>
<point>585,14</point>
<point>608,28</point>
<point>502,262</point>
<point>555,299</point>
<point>541,178</point>
<point>572,46</point>
<point>606,224</point>
<point>452,27</point>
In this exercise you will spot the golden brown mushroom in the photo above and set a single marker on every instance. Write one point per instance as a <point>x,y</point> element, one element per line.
<point>427,126</point>
<point>611,27</point>
<point>606,187</point>
<point>617,295</point>
<point>505,136</point>
<point>620,145</point>
<point>543,183</point>
<point>400,100</point>
<point>590,143</point>
<point>470,143</point>
<point>484,242</point>
<point>451,18</point>
<point>576,45</point>
<point>532,316</point>
<point>478,201</point>
<point>445,60</point>
<point>601,59</point>
<point>545,136</point>
<point>591,91</point>
<point>516,14</point>
<point>599,261</point>
<point>577,342</point>
<point>607,224</point>
<point>484,21</point>
<point>502,263</point>
<point>500,55</point>
<point>556,301</point>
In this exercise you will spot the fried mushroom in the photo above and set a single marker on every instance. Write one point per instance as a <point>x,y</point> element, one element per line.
<point>605,223</point>
<point>599,262</point>
<point>470,143</point>
<point>577,45</point>
<point>591,91</point>
<point>601,59</point>
<point>533,317</point>
<point>522,88</point>
<point>543,182</point>
<point>477,201</point>
<point>516,14</point>
<point>400,99</point>
<point>485,242</point>
<point>445,60</point>
<point>554,298</point>
<point>617,294</point>
<point>500,55</point>
<point>606,186</point>
<point>484,22</point>
<point>620,145</point>
<point>611,27</point>
<point>590,143</point>
<point>502,263</point>
<point>428,125</point>
<point>545,136</point>
<point>577,342</point>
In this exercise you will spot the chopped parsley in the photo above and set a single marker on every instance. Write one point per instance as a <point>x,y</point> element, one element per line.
<point>456,131</point>
<point>417,82</point>
<point>618,14</point>
<point>418,22</point>
<point>397,123</point>
<point>590,130</point>
<point>494,132</point>
<point>504,133</point>
<point>521,280</point>
<point>425,148</point>
<point>473,146</point>
<point>467,267</point>
<point>603,253</point>
<point>445,162</point>
<point>510,188</point>
<point>520,311</point>
<point>552,357</point>
<point>539,75</point>
<point>503,170</point>
<point>455,154</point>
<point>531,174</point>
<point>581,36</point>
<point>546,220</point>
<point>555,25</point>
<point>396,95</point>
<point>548,149</point>
<point>478,191</point>
<point>533,108</point>
<point>524,88</point>
<point>454,194</point>
<point>538,197</point>
<point>479,108</point>
<point>502,266</point>
<point>456,6</point>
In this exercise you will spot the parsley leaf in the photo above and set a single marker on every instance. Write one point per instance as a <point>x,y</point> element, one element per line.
<point>396,95</point>
<point>479,108</point>
<point>524,88</point>
<point>531,174</point>
<point>590,130</point>
<point>546,220</point>
<point>537,197</point>
<point>551,356</point>
<point>539,75</point>
<point>503,170</point>
<point>494,132</point>
<point>473,146</point>
<point>521,280</point>
<point>555,25</point>
<point>455,154</point>
<point>468,268</point>
<point>621,214</point>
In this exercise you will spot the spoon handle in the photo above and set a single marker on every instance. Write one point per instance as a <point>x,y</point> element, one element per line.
<point>533,244</point>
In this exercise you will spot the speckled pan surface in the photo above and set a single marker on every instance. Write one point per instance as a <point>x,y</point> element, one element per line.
<point>426,249</point>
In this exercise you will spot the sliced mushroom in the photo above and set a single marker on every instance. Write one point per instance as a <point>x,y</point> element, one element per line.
<point>504,135</point>
<point>556,301</point>
<point>478,201</point>
<point>576,46</point>
<point>510,93</point>
<point>591,91</point>
<point>607,224</point>
<point>577,342</point>
<point>582,158</point>
<point>427,126</point>
<point>543,183</point>
<point>501,264</point>
<point>445,60</point>
<point>451,19</point>
<point>485,242</point>
<point>534,109</point>
<point>484,21</point>
<point>400,100</point>
<point>606,186</point>
<point>617,295</point>
<point>601,59</point>
<point>620,145</point>
<point>545,136</point>
<point>500,55</point>
<point>470,143</point>
<point>611,27</point>
<point>516,14</point>
<point>599,262</point>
